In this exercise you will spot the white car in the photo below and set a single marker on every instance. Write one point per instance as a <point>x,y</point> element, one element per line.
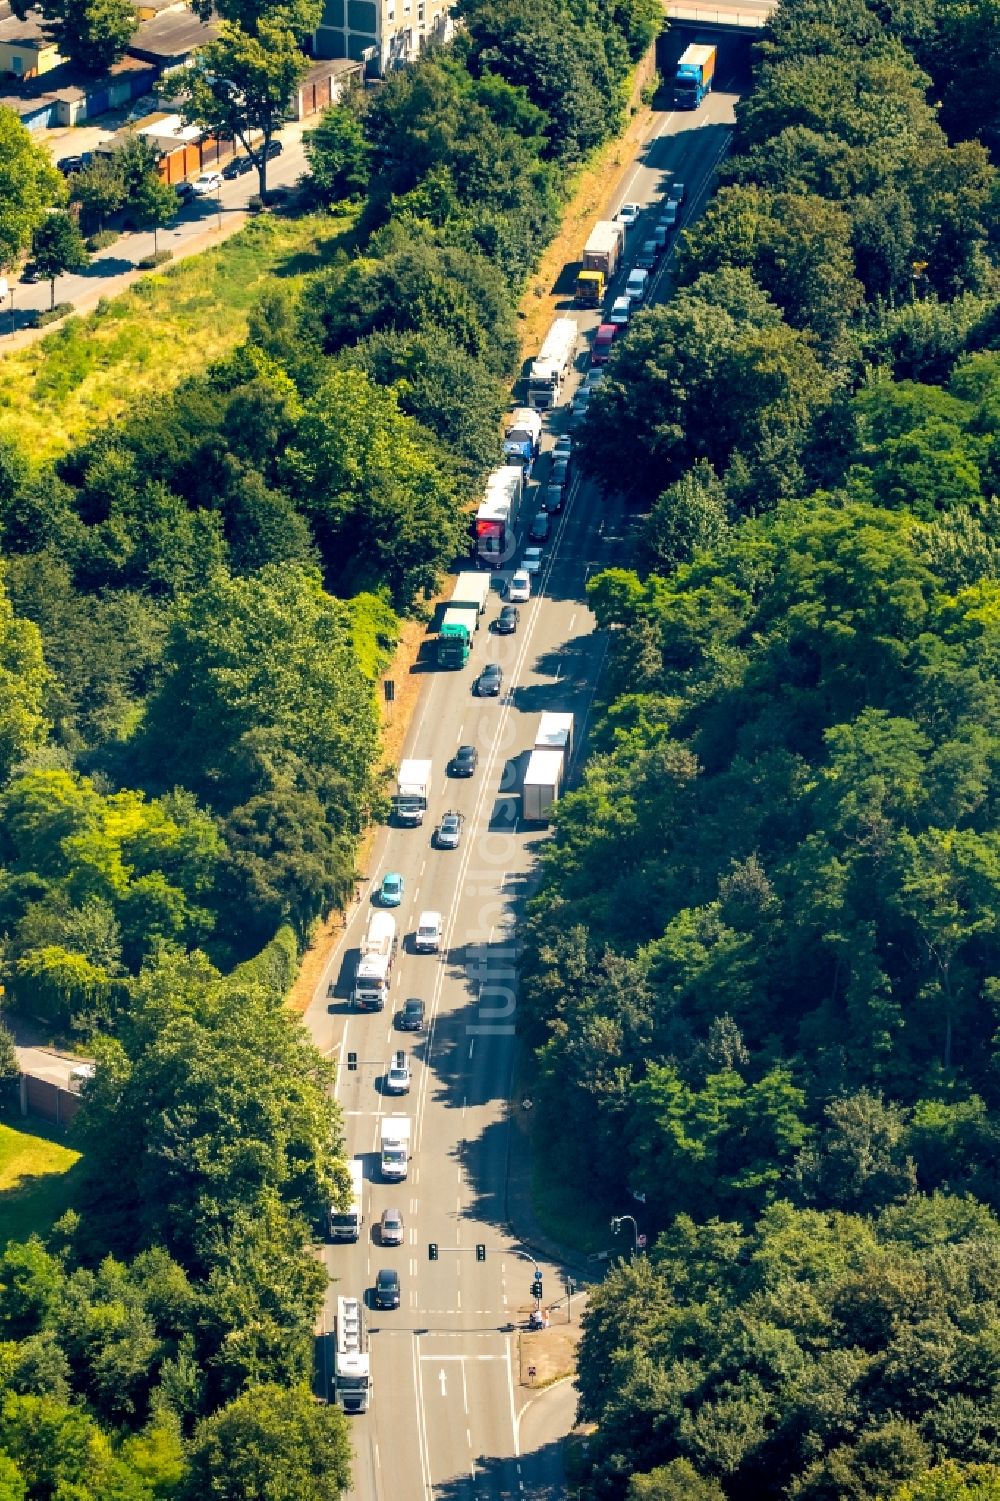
<point>427,939</point>
<point>621,311</point>
<point>637,285</point>
<point>397,1075</point>
<point>519,588</point>
<point>206,183</point>
<point>532,560</point>
<point>628,214</point>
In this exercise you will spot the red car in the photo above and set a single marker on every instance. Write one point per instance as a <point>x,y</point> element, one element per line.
<point>603,339</point>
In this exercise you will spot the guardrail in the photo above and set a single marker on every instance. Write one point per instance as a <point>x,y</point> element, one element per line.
<point>705,16</point>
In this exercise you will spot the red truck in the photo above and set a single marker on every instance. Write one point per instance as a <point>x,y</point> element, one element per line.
<point>605,336</point>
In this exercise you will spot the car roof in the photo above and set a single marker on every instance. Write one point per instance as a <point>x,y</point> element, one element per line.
<point>608,328</point>
<point>392,875</point>
<point>413,1002</point>
<point>466,750</point>
<point>388,1274</point>
<point>392,1214</point>
<point>426,918</point>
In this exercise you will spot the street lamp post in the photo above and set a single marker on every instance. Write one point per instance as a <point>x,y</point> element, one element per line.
<point>616,1224</point>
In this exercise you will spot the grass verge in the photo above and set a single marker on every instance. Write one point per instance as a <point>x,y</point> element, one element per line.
<point>37,1179</point>
<point>165,327</point>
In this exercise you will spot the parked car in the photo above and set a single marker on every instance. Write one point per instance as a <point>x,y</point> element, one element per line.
<point>390,1227</point>
<point>390,893</point>
<point>560,472</point>
<point>507,620</point>
<point>490,680</point>
<point>411,1017</point>
<point>184,191</point>
<point>427,938</point>
<point>621,312</point>
<point>636,286</point>
<point>553,499</point>
<point>237,167</point>
<point>397,1077</point>
<point>465,761</point>
<point>387,1288</point>
<point>206,183</point>
<point>648,252</point>
<point>540,527</point>
<point>449,831</point>
<point>519,588</point>
<point>273,149</point>
<point>67,165</point>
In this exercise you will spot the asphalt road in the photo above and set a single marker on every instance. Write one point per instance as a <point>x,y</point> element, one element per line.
<point>110,270</point>
<point>449,1418</point>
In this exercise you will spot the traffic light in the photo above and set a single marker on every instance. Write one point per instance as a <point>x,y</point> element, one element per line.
<point>432,1250</point>
<point>480,1252</point>
<point>352,1063</point>
<point>536,1286</point>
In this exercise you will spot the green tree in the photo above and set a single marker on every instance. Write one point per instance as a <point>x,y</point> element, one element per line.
<point>242,83</point>
<point>154,205</point>
<point>338,153</point>
<point>57,248</point>
<point>93,34</point>
<point>373,482</point>
<point>10,1068</point>
<point>99,187</point>
<point>689,517</point>
<point>29,187</point>
<point>271,1443</point>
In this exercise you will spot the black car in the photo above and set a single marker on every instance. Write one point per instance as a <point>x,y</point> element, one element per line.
<point>559,473</point>
<point>387,1288</point>
<point>540,528</point>
<point>490,680</point>
<point>465,761</point>
<point>67,165</point>
<point>411,1018</point>
<point>507,620</point>
<point>237,167</point>
<point>274,148</point>
<point>553,498</point>
<point>184,191</point>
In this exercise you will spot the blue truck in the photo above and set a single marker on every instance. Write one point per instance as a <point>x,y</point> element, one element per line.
<point>693,79</point>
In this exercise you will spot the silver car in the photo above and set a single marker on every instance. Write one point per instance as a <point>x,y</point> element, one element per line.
<point>449,831</point>
<point>390,1227</point>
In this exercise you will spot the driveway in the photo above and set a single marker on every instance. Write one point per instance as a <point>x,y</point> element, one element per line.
<point>199,224</point>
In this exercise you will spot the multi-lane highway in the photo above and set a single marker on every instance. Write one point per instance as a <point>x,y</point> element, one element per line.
<point>449,1417</point>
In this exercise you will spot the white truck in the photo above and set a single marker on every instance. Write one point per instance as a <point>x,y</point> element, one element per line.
<point>412,791</point>
<point>555,732</point>
<point>352,1377</point>
<point>394,1135</point>
<point>542,785</point>
<point>471,589</point>
<point>374,971</point>
<point>345,1224</point>
<point>548,372</point>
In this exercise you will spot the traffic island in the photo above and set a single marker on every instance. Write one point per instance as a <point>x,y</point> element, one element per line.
<point>548,1355</point>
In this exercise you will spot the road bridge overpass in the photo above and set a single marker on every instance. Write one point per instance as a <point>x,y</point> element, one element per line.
<point>745,16</point>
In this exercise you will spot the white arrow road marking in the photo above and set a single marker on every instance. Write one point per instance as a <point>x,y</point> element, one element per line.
<point>444,1382</point>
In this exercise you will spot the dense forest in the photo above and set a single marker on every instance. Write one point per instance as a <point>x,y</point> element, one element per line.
<point>763,972</point>
<point>195,606</point>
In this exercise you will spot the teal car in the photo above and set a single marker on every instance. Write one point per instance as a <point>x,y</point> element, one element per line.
<point>390,892</point>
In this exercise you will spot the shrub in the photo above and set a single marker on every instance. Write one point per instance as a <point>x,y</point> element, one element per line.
<point>150,262</point>
<point>102,239</point>
<point>50,315</point>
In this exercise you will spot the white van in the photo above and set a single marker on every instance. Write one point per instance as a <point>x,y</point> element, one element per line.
<point>635,287</point>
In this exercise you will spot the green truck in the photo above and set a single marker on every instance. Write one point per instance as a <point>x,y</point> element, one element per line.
<point>454,641</point>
